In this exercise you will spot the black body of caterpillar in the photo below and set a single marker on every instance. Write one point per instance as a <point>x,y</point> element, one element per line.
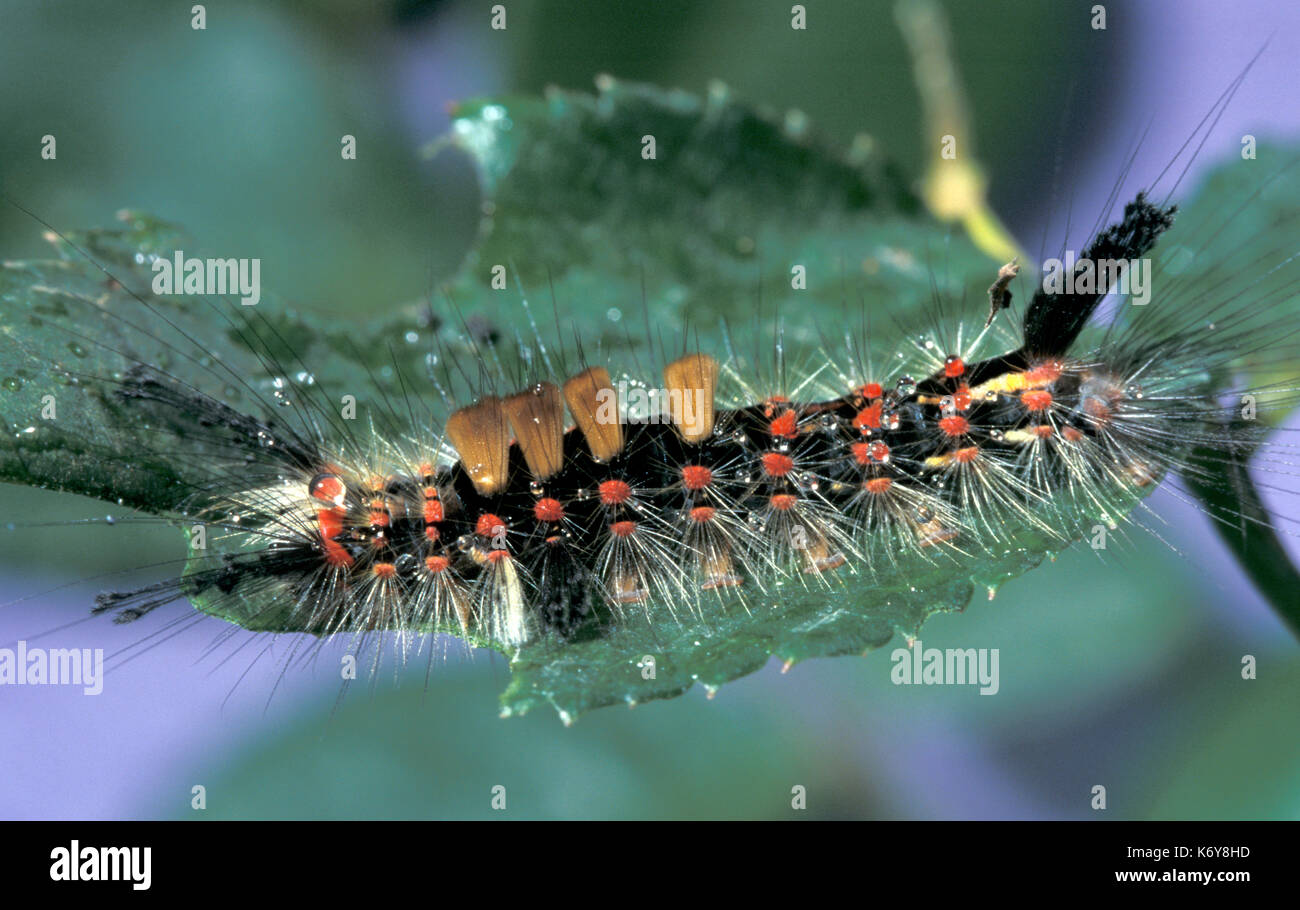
<point>561,550</point>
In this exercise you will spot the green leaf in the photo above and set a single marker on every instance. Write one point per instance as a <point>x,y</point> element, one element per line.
<point>694,238</point>
<point>706,232</point>
<point>74,330</point>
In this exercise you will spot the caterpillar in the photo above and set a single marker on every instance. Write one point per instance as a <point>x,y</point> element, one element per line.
<point>512,524</point>
<point>567,501</point>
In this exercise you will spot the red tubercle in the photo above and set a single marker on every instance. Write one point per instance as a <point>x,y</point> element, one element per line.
<point>966,455</point>
<point>954,425</point>
<point>548,510</point>
<point>614,492</point>
<point>784,426</point>
<point>777,464</point>
<point>1072,434</point>
<point>871,390</point>
<point>702,514</point>
<point>865,453</point>
<point>961,398</point>
<point>378,515</point>
<point>431,532</point>
<point>336,554</point>
<point>623,528</point>
<point>498,555</point>
<point>384,570</point>
<point>877,486</point>
<point>773,404</point>
<point>696,477</point>
<point>1036,399</point>
<point>953,367</point>
<point>436,564</point>
<point>783,502</point>
<point>327,488</point>
<point>869,417</point>
<point>1044,373</point>
<point>331,522</point>
<point>488,524</point>
<point>1098,410</point>
<point>433,512</point>
<point>1043,431</point>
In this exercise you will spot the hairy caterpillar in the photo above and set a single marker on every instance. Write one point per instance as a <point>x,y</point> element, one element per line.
<point>497,517</point>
